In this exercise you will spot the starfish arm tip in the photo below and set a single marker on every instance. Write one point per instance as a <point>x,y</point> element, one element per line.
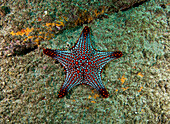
<point>116,54</point>
<point>49,52</point>
<point>62,93</point>
<point>104,93</point>
<point>86,29</point>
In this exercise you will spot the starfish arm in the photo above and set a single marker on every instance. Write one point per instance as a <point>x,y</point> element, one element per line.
<point>72,80</point>
<point>83,44</point>
<point>102,58</point>
<point>64,57</point>
<point>95,81</point>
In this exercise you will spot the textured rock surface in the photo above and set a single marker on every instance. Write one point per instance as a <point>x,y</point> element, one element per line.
<point>138,83</point>
<point>29,23</point>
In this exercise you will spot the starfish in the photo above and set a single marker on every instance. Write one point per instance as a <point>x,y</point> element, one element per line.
<point>83,64</point>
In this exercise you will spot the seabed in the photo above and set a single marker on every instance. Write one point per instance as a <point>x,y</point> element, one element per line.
<point>138,82</point>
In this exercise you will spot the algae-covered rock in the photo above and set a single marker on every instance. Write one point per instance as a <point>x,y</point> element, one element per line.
<point>33,22</point>
<point>138,83</point>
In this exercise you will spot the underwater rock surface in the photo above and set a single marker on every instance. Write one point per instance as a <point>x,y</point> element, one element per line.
<point>138,83</point>
<point>24,25</point>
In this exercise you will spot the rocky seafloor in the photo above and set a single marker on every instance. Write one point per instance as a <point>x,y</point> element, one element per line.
<point>138,82</point>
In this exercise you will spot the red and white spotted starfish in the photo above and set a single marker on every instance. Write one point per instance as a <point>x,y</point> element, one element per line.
<point>83,64</point>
